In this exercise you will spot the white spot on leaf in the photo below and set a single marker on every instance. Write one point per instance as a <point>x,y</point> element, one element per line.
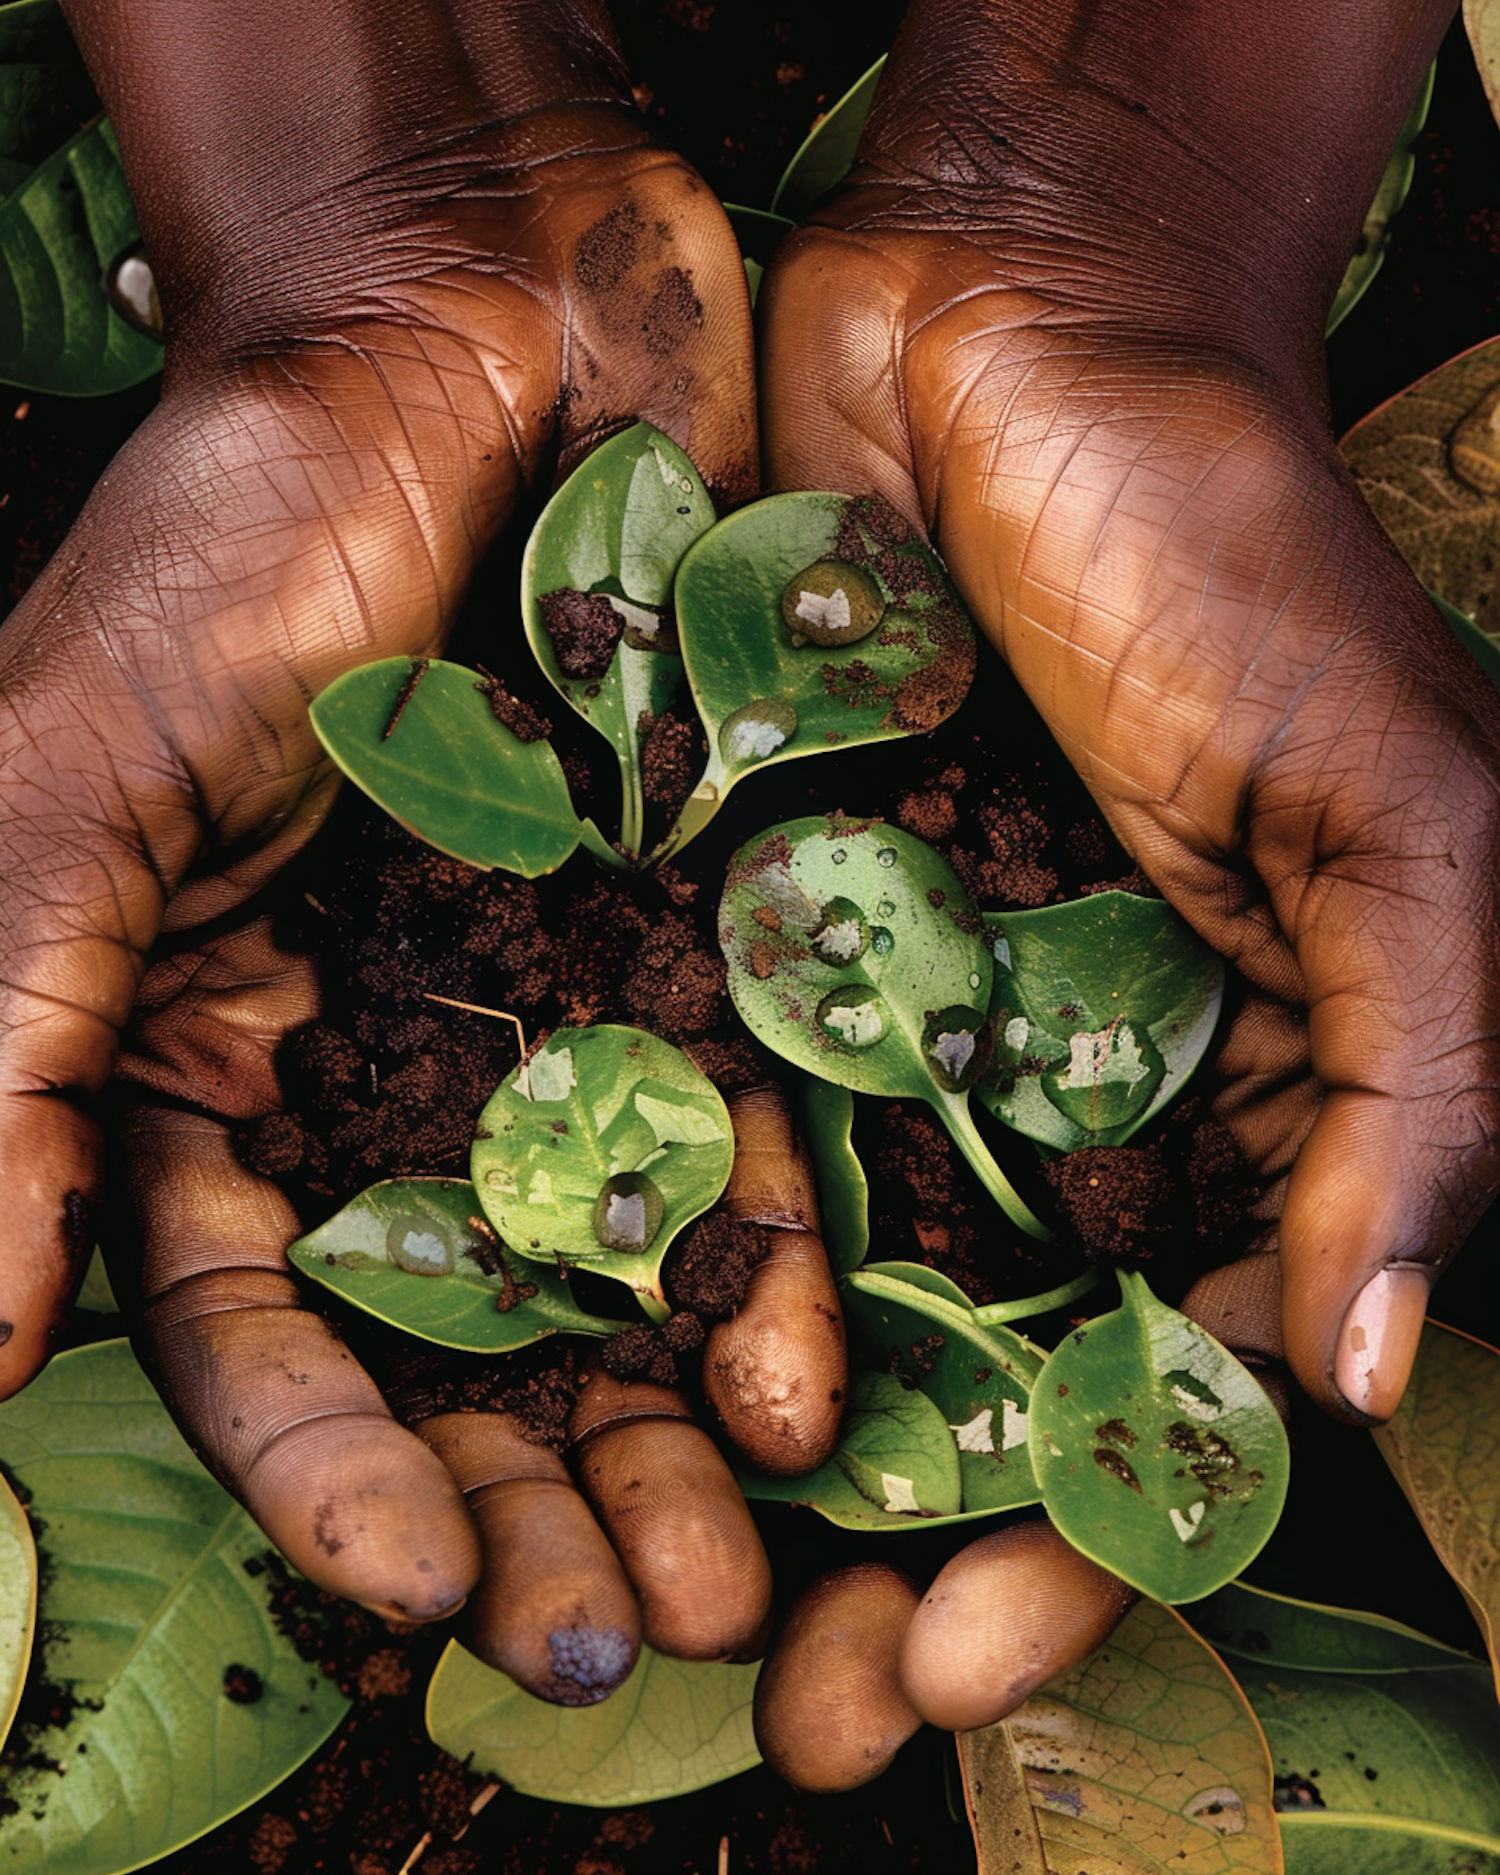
<point>1013,1426</point>
<point>1193,1406</point>
<point>832,613</point>
<point>671,1121</point>
<point>1187,1526</point>
<point>898,1492</point>
<point>1110,1054</point>
<point>539,1189</point>
<point>1220,1809</point>
<point>1016,1032</point>
<point>548,1076</point>
<point>1001,948</point>
<point>975,1435</point>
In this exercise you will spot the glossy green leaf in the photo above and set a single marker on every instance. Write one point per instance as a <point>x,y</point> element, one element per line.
<point>674,1726</point>
<point>599,1149</point>
<point>896,1467</point>
<point>1385,1745</point>
<point>1102,1008</point>
<point>886,651</point>
<point>1395,184</point>
<point>448,771</point>
<point>1444,1447</point>
<point>980,1380</point>
<point>854,953</point>
<point>598,571</point>
<point>918,1276</point>
<point>1143,1760</point>
<point>59,233</point>
<point>843,1190</point>
<point>17,1603</point>
<point>1428,463</point>
<point>1158,1454</point>
<point>150,1602</point>
<point>826,154</point>
<point>408,1252</point>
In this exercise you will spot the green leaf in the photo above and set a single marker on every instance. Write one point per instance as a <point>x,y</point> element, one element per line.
<point>97,1293</point>
<point>674,1726</point>
<point>60,231</point>
<point>918,1276</point>
<point>1484,649</point>
<point>843,1190</point>
<point>882,646</point>
<point>854,953</point>
<point>758,232</point>
<point>17,1603</point>
<point>1144,1758</point>
<point>407,1251</point>
<point>1395,184</point>
<point>1428,463</point>
<point>826,154</point>
<point>148,1593</point>
<point>448,771</point>
<point>1158,1454</point>
<point>1392,1739</point>
<point>600,563</point>
<point>979,1380</point>
<point>599,1149</point>
<point>1444,1447</point>
<point>896,1467</point>
<point>1102,1008</point>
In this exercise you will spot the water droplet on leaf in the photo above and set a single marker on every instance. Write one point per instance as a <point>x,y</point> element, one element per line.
<point>842,936</point>
<point>886,856</point>
<point>419,1245</point>
<point>628,1212</point>
<point>886,908</point>
<point>881,941</point>
<point>839,856</point>
<point>756,730</point>
<point>957,1044</point>
<point>831,603</point>
<point>853,1015</point>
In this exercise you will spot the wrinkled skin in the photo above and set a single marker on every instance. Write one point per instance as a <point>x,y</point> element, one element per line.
<point>1086,358</point>
<point>1069,314</point>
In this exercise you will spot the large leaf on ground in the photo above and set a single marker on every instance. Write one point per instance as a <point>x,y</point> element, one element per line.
<point>148,1606</point>
<point>896,1467</point>
<point>854,952</point>
<point>1102,1008</point>
<point>827,152</point>
<point>598,1149</point>
<point>419,736</point>
<point>17,1603</point>
<point>418,1252</point>
<point>843,1189</point>
<point>1444,1447</point>
<point>674,1726</point>
<point>1385,1745</point>
<point>979,1379</point>
<point>1395,185</point>
<point>811,623</point>
<point>1144,1758</point>
<point>596,588</point>
<point>60,232</point>
<point>1428,463</point>
<point>1158,1454</point>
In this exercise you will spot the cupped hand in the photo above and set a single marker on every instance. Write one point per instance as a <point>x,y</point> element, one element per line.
<point>409,258</point>
<point>1068,313</point>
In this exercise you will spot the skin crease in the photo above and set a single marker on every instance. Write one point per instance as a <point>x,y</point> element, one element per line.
<point>1099,403</point>
<point>1068,312</point>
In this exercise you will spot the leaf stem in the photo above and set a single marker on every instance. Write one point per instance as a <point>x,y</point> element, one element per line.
<point>593,841</point>
<point>698,810</point>
<point>632,801</point>
<point>954,1109</point>
<point>993,1314</point>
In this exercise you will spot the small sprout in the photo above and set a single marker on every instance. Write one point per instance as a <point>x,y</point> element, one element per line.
<point>854,1015</point>
<point>628,1212</point>
<point>756,730</point>
<point>831,603</point>
<point>957,1044</point>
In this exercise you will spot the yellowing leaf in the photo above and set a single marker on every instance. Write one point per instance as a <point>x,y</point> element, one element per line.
<point>1146,1757</point>
<point>17,1603</point>
<point>1444,1447</point>
<point>1428,463</point>
<point>1482,24</point>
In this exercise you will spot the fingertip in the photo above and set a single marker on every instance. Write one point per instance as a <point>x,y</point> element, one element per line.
<point>1378,1339</point>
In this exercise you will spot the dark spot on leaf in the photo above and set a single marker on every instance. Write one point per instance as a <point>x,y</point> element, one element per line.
<point>241,1684</point>
<point>1116,1432</point>
<point>1291,1792</point>
<point>1116,1466</point>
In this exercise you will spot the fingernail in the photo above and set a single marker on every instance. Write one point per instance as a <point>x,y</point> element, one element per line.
<point>1378,1341</point>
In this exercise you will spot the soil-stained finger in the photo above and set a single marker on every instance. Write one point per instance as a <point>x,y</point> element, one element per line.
<point>830,1713</point>
<point>553,1608</point>
<point>1006,1615</point>
<point>777,1374</point>
<point>675,1516</point>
